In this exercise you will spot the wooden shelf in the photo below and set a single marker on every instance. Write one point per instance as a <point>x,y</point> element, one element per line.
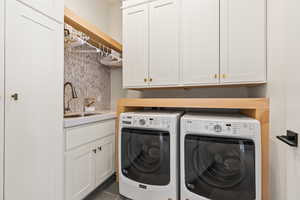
<point>257,108</point>
<point>96,35</point>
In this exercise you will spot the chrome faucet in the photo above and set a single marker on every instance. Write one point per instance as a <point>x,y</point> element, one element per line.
<point>74,96</point>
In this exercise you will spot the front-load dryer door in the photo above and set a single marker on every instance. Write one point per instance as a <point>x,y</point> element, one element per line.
<point>220,168</point>
<point>145,156</point>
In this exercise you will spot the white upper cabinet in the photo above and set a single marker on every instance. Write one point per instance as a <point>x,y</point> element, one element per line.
<point>243,41</point>
<point>200,42</point>
<point>164,43</point>
<point>136,46</point>
<point>194,42</point>
<point>51,8</point>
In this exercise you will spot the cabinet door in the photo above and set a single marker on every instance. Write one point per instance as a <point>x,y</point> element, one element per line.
<point>34,105</point>
<point>80,172</point>
<point>104,159</point>
<point>243,41</point>
<point>164,43</point>
<point>51,8</point>
<point>135,46</point>
<point>200,42</point>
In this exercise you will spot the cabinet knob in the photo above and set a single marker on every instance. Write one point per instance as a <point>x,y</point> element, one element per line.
<point>100,148</point>
<point>145,80</point>
<point>150,79</point>
<point>216,76</point>
<point>224,76</point>
<point>15,96</point>
<point>95,150</point>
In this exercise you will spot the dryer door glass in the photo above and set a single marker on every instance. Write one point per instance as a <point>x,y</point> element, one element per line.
<point>220,168</point>
<point>145,156</point>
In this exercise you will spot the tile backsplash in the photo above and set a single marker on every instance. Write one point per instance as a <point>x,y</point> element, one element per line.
<point>90,79</point>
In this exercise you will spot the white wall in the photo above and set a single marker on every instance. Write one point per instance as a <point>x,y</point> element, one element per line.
<point>292,66</point>
<point>1,96</point>
<point>94,11</point>
<point>115,20</point>
<point>275,90</point>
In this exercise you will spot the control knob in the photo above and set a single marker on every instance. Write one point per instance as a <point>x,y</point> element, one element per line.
<point>218,128</point>
<point>142,122</point>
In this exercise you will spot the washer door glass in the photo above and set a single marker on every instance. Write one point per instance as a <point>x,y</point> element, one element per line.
<point>220,168</point>
<point>145,156</point>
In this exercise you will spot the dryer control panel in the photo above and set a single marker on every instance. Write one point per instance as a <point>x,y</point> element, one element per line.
<point>145,122</point>
<point>221,127</point>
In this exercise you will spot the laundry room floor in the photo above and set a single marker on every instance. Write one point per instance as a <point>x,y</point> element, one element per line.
<point>108,191</point>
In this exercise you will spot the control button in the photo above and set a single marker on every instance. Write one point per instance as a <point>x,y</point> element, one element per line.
<point>142,122</point>
<point>218,128</point>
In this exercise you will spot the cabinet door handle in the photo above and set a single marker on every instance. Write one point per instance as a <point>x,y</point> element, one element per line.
<point>145,80</point>
<point>15,96</point>
<point>150,79</point>
<point>95,150</point>
<point>100,148</point>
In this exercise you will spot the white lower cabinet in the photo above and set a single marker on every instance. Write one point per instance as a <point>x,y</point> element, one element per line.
<point>80,172</point>
<point>88,165</point>
<point>104,159</point>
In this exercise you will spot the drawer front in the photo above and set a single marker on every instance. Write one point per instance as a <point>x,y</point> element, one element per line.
<point>84,134</point>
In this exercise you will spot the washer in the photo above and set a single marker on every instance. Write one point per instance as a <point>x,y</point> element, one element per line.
<point>148,156</point>
<point>220,157</point>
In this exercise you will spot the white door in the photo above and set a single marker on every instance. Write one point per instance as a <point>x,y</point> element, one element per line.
<point>243,41</point>
<point>200,42</point>
<point>33,106</point>
<point>135,46</point>
<point>80,172</point>
<point>164,43</point>
<point>1,96</point>
<point>292,63</point>
<point>104,159</point>
<point>51,8</point>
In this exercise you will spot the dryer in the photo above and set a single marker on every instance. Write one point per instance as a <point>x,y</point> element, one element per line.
<point>148,155</point>
<point>220,157</point>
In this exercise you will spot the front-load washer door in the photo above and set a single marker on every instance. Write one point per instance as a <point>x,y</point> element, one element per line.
<point>220,168</point>
<point>145,156</point>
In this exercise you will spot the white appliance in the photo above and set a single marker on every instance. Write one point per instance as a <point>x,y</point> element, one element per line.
<point>148,156</point>
<point>220,157</point>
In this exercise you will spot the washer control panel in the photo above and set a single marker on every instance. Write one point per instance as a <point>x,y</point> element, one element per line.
<point>145,121</point>
<point>221,127</point>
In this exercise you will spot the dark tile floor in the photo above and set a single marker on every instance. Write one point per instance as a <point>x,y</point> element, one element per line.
<point>107,191</point>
